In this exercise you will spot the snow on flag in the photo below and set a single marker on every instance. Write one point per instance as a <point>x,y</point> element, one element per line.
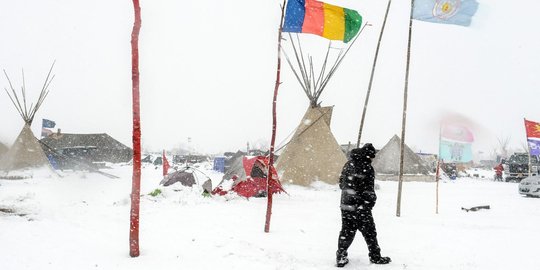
<point>533,137</point>
<point>328,21</point>
<point>457,12</point>
<point>456,143</point>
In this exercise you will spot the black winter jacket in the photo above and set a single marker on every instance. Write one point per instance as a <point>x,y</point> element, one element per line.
<point>357,180</point>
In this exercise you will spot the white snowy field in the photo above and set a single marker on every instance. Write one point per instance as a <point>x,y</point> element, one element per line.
<point>81,221</point>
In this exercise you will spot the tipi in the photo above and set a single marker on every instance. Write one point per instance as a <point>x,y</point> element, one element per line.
<point>26,151</point>
<point>386,163</point>
<point>3,149</point>
<point>313,153</point>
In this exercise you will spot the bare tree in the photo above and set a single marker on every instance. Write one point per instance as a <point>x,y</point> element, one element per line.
<point>503,145</point>
<point>524,147</point>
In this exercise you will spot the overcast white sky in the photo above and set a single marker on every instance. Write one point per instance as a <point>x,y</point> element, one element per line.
<point>208,70</point>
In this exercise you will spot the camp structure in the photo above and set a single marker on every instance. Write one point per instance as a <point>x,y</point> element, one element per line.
<point>234,166</point>
<point>183,177</point>
<point>188,177</point>
<point>251,180</point>
<point>313,153</point>
<point>26,151</point>
<point>386,163</point>
<point>89,148</point>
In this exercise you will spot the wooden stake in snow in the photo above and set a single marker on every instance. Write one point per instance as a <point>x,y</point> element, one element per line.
<point>274,124</point>
<point>437,174</point>
<point>136,180</point>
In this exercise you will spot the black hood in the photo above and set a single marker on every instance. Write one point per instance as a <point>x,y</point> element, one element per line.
<point>366,152</point>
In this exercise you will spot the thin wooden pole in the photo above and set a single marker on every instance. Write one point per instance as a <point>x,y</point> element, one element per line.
<point>274,125</point>
<point>372,74</point>
<point>528,148</point>
<point>136,180</point>
<point>404,120</point>
<point>437,187</point>
<point>437,174</point>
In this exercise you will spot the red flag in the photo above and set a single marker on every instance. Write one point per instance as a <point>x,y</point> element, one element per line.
<point>165,164</point>
<point>532,129</point>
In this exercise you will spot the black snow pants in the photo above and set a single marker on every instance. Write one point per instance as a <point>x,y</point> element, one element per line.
<point>361,220</point>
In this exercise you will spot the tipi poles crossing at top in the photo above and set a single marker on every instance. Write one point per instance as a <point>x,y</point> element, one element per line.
<point>366,101</point>
<point>28,113</point>
<point>340,58</point>
<point>404,119</point>
<point>313,87</point>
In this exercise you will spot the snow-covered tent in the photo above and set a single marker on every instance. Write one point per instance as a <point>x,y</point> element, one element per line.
<point>313,153</point>
<point>252,182</point>
<point>188,177</point>
<point>386,163</point>
<point>98,147</point>
<point>234,166</point>
<point>184,177</point>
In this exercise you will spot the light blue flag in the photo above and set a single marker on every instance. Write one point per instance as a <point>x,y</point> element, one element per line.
<point>457,12</point>
<point>452,151</point>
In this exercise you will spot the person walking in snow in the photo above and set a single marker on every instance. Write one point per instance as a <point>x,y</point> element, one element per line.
<point>499,172</point>
<point>357,182</point>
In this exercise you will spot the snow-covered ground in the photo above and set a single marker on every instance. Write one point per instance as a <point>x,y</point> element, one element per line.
<point>81,221</point>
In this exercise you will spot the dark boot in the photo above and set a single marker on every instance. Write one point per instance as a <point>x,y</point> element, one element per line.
<point>377,259</point>
<point>341,258</point>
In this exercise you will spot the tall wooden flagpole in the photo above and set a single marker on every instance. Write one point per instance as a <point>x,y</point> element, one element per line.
<point>437,174</point>
<point>528,147</point>
<point>274,124</point>
<point>372,74</point>
<point>404,119</point>
<point>136,180</point>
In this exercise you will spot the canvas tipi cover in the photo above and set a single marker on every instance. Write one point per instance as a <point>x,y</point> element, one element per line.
<point>25,152</point>
<point>3,150</point>
<point>386,161</point>
<point>313,153</point>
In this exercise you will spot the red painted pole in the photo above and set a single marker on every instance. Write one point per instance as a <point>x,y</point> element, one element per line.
<point>274,124</point>
<point>136,180</point>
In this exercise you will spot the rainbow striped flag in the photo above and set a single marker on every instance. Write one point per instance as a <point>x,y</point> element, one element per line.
<point>328,21</point>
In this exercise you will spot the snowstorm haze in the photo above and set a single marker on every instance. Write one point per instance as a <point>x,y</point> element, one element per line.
<point>208,68</point>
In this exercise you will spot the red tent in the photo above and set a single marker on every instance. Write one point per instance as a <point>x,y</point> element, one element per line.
<point>254,185</point>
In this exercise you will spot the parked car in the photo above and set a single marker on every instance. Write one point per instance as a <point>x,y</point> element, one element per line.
<point>530,186</point>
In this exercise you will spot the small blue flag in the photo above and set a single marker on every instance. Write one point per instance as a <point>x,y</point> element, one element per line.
<point>46,123</point>
<point>534,146</point>
<point>457,12</point>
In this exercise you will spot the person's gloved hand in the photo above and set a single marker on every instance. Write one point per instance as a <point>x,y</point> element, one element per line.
<point>369,198</point>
